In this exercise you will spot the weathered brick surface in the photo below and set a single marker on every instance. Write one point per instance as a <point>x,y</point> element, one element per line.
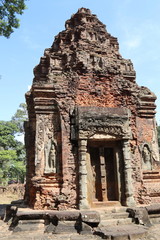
<point>83,67</point>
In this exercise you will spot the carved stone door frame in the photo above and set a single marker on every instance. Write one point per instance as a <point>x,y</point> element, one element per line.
<point>102,123</point>
<point>83,191</point>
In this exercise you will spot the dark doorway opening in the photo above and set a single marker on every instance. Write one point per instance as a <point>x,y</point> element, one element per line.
<point>104,167</point>
<point>95,163</point>
<point>111,174</point>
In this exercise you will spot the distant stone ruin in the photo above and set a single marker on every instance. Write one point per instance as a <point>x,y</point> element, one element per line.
<point>91,136</point>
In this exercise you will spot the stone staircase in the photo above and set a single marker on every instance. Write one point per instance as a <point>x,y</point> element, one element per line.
<point>154,218</point>
<point>117,224</point>
<point>107,223</point>
<point>154,213</point>
<point>114,216</point>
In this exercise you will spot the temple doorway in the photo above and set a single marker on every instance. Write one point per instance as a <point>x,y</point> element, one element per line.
<point>103,171</point>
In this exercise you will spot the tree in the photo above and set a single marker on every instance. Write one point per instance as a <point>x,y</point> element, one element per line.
<point>20,116</point>
<point>8,15</point>
<point>11,167</point>
<point>7,158</point>
<point>12,151</point>
<point>7,132</point>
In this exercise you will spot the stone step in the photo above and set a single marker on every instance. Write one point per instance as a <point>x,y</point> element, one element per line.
<point>107,204</point>
<point>114,222</point>
<point>109,210</point>
<point>154,218</point>
<point>114,215</point>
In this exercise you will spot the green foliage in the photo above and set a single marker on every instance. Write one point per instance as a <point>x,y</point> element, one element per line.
<point>12,152</point>
<point>20,116</point>
<point>17,171</point>
<point>7,132</point>
<point>11,167</point>
<point>8,15</point>
<point>7,157</point>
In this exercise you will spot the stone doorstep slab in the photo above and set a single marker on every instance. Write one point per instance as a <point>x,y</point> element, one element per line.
<point>85,216</point>
<point>35,214</point>
<point>54,221</point>
<point>122,232</point>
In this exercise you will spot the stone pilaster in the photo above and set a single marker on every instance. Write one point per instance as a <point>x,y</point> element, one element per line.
<point>83,201</point>
<point>39,145</point>
<point>128,174</point>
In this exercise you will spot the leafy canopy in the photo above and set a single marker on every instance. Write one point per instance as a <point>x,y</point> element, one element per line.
<point>11,167</point>
<point>20,116</point>
<point>9,9</point>
<point>12,151</point>
<point>7,132</point>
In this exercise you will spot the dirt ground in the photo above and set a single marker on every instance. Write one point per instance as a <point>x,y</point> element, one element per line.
<point>11,193</point>
<point>8,197</point>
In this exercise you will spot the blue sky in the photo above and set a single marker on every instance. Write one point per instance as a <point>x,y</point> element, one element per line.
<point>136,24</point>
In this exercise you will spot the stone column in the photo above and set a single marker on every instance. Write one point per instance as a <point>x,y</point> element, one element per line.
<point>39,145</point>
<point>128,174</point>
<point>83,201</point>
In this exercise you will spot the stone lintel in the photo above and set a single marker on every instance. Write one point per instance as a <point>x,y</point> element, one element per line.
<point>102,111</point>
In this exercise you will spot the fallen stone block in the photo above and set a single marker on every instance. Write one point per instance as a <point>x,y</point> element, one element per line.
<point>140,216</point>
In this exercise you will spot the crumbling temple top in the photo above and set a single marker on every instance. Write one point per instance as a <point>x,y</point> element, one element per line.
<point>84,47</point>
<point>88,117</point>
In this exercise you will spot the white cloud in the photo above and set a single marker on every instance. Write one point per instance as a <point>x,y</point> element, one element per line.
<point>133,42</point>
<point>30,44</point>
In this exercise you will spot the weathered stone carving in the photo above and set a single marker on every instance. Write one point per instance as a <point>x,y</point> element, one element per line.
<point>50,157</point>
<point>93,120</point>
<point>147,158</point>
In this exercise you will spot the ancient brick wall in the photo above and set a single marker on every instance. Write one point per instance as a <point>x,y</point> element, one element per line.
<point>83,67</point>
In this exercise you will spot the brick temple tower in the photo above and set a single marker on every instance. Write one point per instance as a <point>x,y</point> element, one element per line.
<point>91,136</point>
